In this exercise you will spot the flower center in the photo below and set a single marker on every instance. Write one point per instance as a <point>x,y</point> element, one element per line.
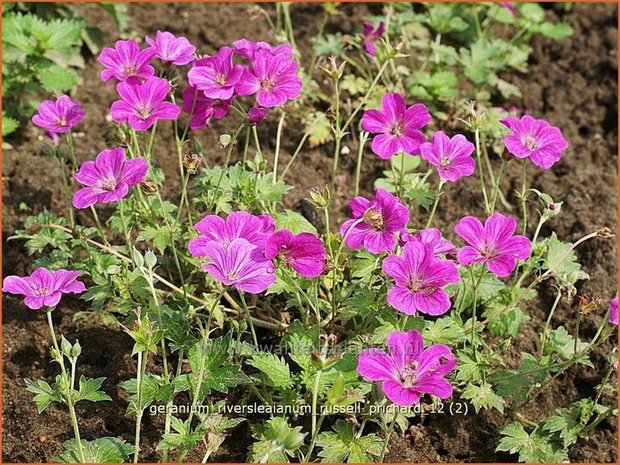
<point>44,291</point>
<point>221,79</point>
<point>144,111</point>
<point>530,142</point>
<point>488,252</point>
<point>108,185</point>
<point>374,218</point>
<point>267,84</point>
<point>408,376</point>
<point>416,284</point>
<point>397,130</point>
<point>130,70</point>
<point>445,161</point>
<point>61,122</point>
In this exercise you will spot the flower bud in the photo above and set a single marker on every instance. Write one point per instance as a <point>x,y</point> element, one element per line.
<point>320,198</point>
<point>192,162</point>
<point>225,140</point>
<point>256,115</point>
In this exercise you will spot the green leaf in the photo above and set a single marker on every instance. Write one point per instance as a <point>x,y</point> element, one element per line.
<point>182,437</point>
<point>342,445</point>
<point>556,31</point>
<point>102,450</point>
<point>9,125</point>
<point>276,369</point>
<point>567,423</point>
<point>44,393</point>
<point>328,44</point>
<point>319,129</point>
<point>277,441</point>
<point>293,221</point>
<point>89,390</point>
<point>482,396</point>
<point>562,261</point>
<point>534,447</point>
<point>56,79</point>
<point>119,12</point>
<point>159,235</point>
<point>563,344</point>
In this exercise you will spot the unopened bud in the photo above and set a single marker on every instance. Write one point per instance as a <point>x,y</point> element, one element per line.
<point>225,140</point>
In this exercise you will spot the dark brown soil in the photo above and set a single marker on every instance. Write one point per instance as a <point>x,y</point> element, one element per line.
<point>573,83</point>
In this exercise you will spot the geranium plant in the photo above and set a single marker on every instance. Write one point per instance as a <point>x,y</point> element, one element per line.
<point>239,306</point>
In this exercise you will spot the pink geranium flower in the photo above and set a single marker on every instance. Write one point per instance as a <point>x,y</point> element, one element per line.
<point>44,288</point>
<point>398,126</point>
<point>58,116</point>
<point>126,62</point>
<point>247,48</point>
<point>419,278</point>
<point>451,156</point>
<point>613,311</point>
<point>494,243</point>
<point>239,265</point>
<point>408,370</point>
<point>142,105</point>
<point>216,76</point>
<point>171,49</point>
<point>108,178</point>
<point>536,139</point>
<point>371,36</point>
<point>273,78</point>
<point>256,115</point>
<point>203,109</point>
<point>431,236</point>
<point>237,225</point>
<point>375,222</point>
<point>304,252</point>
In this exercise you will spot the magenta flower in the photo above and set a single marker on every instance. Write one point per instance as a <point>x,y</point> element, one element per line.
<point>239,265</point>
<point>375,222</point>
<point>171,49</point>
<point>431,236</point>
<point>419,278</point>
<point>613,311</point>
<point>372,35</point>
<point>44,288</point>
<point>247,48</point>
<point>273,78</point>
<point>126,62</point>
<point>142,105</point>
<point>397,126</point>
<point>304,252</point>
<point>256,115</point>
<point>59,116</point>
<point>238,225</point>
<point>494,243</point>
<point>536,139</point>
<point>203,109</point>
<point>108,178</point>
<point>409,370</point>
<point>452,157</point>
<point>216,76</point>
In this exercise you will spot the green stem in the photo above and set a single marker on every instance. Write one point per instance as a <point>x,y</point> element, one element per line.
<point>98,223</point>
<point>481,171</point>
<point>72,151</point>
<point>149,148</point>
<point>475,285</point>
<point>543,338</point>
<point>68,193</point>
<point>496,184</point>
<point>360,152</point>
<point>276,155</point>
<point>141,370</point>
<point>523,196</point>
<point>440,185</point>
<point>295,154</point>
<point>315,397</point>
<point>249,319</point>
<point>386,441</point>
<point>68,395</point>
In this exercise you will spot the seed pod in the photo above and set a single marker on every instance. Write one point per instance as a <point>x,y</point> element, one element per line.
<point>148,187</point>
<point>588,304</point>
<point>192,162</point>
